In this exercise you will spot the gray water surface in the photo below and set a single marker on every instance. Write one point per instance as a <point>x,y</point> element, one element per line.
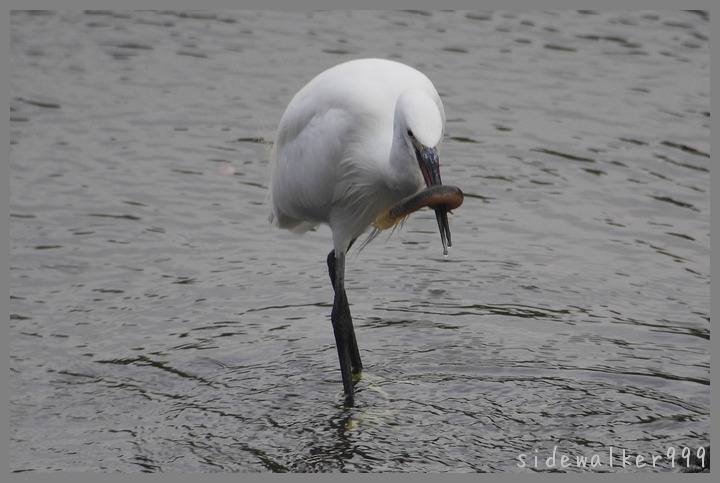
<point>158,323</point>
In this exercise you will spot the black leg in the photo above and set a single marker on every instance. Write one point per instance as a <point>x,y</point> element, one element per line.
<point>340,319</point>
<point>353,346</point>
<point>347,348</point>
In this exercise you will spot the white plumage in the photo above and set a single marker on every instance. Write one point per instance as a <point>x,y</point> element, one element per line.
<point>342,153</point>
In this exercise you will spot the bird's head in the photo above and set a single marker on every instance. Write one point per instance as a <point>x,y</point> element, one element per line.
<point>420,122</point>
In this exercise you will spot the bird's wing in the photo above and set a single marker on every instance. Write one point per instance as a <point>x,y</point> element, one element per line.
<point>310,145</point>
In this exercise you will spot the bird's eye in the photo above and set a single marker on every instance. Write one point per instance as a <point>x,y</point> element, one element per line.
<point>410,133</point>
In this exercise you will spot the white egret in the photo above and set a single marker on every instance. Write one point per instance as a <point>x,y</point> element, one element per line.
<point>354,148</point>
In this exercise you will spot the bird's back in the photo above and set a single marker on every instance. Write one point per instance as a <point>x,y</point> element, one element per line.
<point>334,138</point>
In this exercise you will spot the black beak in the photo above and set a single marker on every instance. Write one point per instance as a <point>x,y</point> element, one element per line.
<point>430,166</point>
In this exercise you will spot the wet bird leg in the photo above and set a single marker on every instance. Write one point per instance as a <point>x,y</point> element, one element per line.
<point>347,348</point>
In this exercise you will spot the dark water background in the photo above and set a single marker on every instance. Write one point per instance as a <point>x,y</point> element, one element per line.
<point>159,324</point>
